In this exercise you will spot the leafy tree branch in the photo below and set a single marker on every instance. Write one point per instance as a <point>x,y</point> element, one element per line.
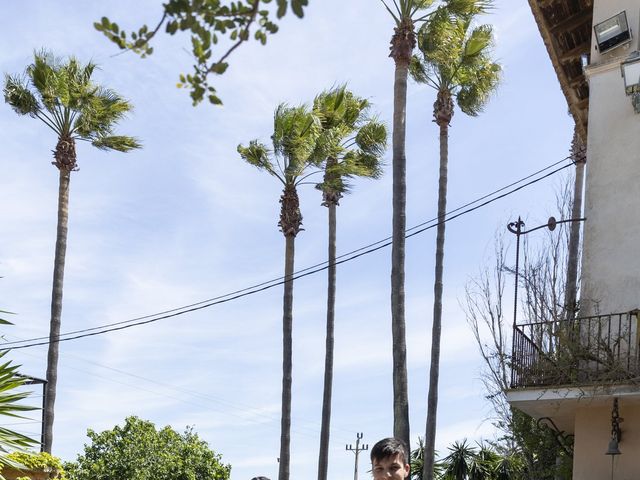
<point>209,22</point>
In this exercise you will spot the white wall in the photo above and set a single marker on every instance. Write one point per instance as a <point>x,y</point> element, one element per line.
<point>611,257</point>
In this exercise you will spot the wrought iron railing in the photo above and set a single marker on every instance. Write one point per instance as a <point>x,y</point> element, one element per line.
<point>588,350</point>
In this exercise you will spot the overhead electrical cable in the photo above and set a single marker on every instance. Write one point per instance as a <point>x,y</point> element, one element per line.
<point>347,257</point>
<point>244,412</point>
<point>312,267</point>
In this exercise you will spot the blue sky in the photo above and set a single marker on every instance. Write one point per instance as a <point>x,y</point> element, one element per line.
<point>184,219</point>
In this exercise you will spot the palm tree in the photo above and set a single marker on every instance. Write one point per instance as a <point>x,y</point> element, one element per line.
<point>455,61</point>
<point>353,144</point>
<point>62,96</point>
<point>294,154</point>
<point>405,14</point>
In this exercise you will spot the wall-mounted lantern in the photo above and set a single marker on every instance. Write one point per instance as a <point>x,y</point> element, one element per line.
<point>631,75</point>
<point>613,32</point>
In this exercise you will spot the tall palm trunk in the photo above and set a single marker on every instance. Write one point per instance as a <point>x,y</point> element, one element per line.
<point>290,221</point>
<point>56,308</point>
<point>287,360</point>
<point>402,44</point>
<point>65,161</point>
<point>443,112</point>
<point>323,460</point>
<point>579,158</point>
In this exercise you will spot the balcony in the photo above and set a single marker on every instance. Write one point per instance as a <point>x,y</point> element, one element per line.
<point>597,350</point>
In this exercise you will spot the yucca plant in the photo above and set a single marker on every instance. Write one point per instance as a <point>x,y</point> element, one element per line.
<point>10,406</point>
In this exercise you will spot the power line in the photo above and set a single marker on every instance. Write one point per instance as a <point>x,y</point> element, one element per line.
<point>99,330</point>
<point>347,257</point>
<point>302,270</point>
<point>243,411</point>
<point>382,242</point>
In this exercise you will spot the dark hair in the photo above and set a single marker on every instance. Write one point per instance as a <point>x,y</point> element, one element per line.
<point>389,447</point>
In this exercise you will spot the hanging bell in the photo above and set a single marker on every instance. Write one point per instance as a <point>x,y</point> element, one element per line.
<point>613,447</point>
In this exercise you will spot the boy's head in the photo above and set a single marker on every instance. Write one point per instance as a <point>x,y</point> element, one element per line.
<point>390,460</point>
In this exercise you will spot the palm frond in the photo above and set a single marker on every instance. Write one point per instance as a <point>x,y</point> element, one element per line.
<point>44,76</point>
<point>457,463</point>
<point>479,42</point>
<point>422,72</point>
<point>468,7</point>
<point>281,125</point>
<point>508,466</point>
<point>61,94</point>
<point>330,143</point>
<point>335,180</point>
<point>119,143</point>
<point>441,39</point>
<point>482,82</point>
<point>296,149</point>
<point>294,139</point>
<point>455,57</point>
<point>19,97</point>
<point>396,17</point>
<point>407,9</point>
<point>417,70</point>
<point>350,143</point>
<point>419,5</point>
<point>417,463</point>
<point>361,164</point>
<point>340,106</point>
<point>372,138</point>
<point>4,321</point>
<point>98,112</point>
<point>9,407</point>
<point>257,154</point>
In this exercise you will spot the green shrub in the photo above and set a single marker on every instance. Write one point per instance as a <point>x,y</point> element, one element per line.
<point>39,462</point>
<point>139,451</point>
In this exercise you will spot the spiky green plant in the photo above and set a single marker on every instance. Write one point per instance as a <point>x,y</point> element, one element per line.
<point>61,94</point>
<point>10,406</point>
<point>10,440</point>
<point>458,464</point>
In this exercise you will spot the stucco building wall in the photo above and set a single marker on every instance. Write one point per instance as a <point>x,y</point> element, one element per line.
<point>592,434</point>
<point>611,255</point>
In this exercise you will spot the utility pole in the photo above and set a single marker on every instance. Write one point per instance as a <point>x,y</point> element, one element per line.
<point>357,451</point>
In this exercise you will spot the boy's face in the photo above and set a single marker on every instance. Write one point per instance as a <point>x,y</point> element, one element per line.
<point>390,468</point>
